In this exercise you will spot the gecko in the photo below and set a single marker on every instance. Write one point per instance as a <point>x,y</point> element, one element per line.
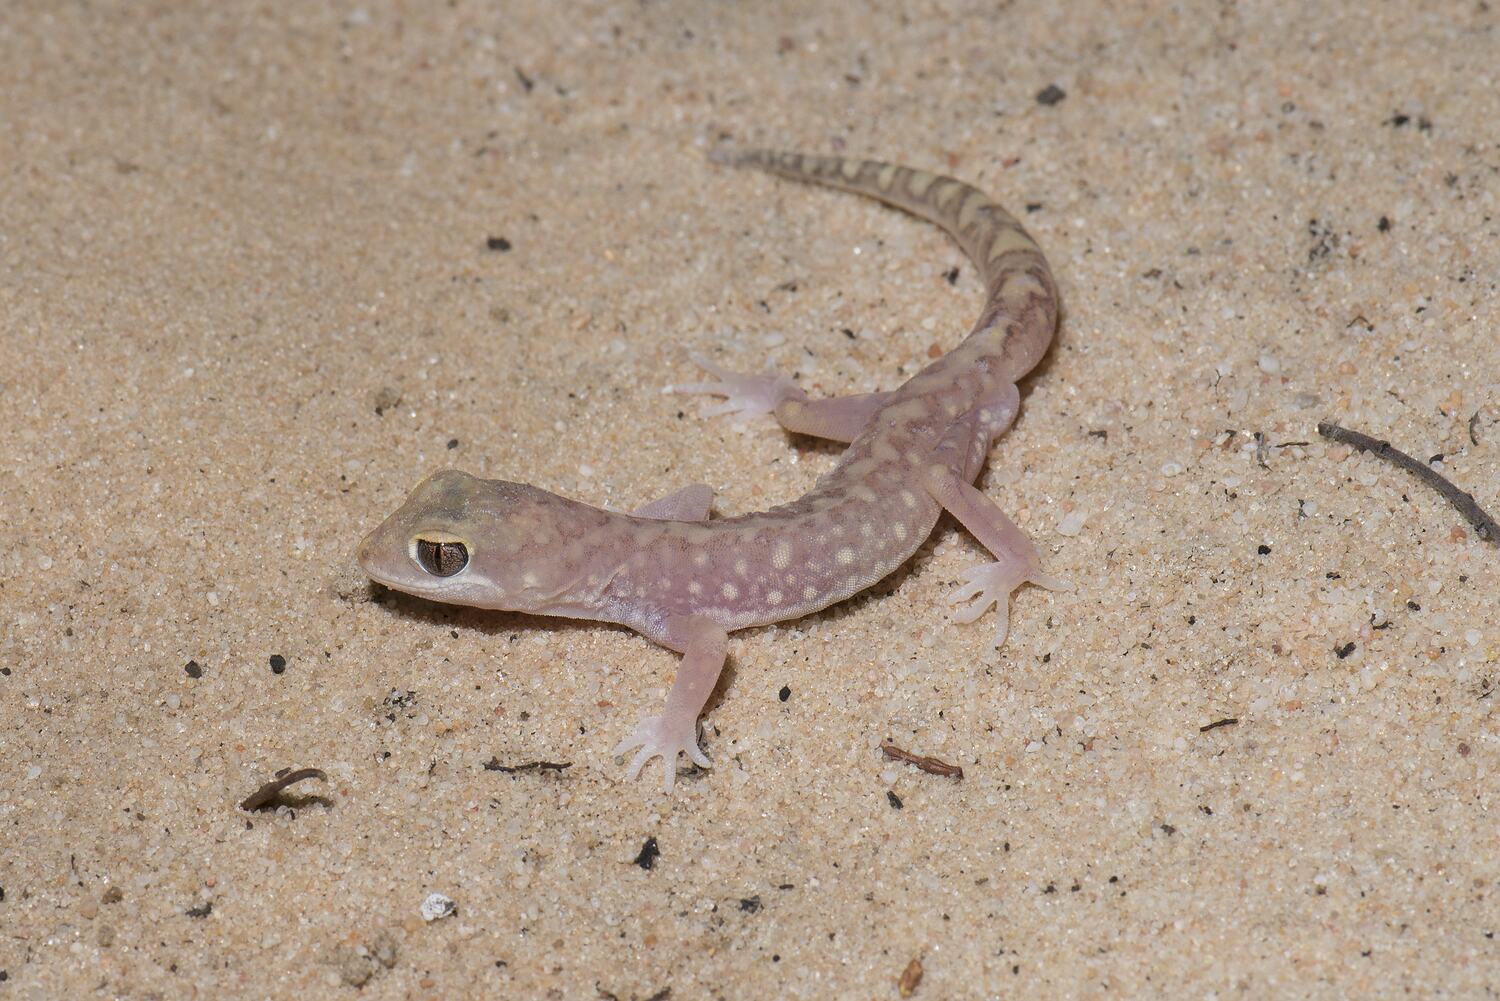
<point>685,580</point>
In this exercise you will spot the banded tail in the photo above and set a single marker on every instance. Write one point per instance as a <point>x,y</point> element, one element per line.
<point>992,238</point>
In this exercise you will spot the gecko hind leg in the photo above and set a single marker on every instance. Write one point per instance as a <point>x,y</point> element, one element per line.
<point>1016,563</point>
<point>838,419</point>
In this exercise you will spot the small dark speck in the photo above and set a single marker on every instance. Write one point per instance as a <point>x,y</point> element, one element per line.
<point>1033,207</point>
<point>278,663</point>
<point>4,672</point>
<point>4,976</point>
<point>951,275</point>
<point>785,693</point>
<point>1413,605</point>
<point>750,904</point>
<point>499,243</point>
<point>1263,549</point>
<point>1168,830</point>
<point>452,444</point>
<point>1398,120</point>
<point>895,800</point>
<point>193,669</point>
<point>850,333</point>
<point>201,911</point>
<point>649,852</point>
<point>1384,225</point>
<point>1049,888</point>
<point>1050,95</point>
<point>1345,650</point>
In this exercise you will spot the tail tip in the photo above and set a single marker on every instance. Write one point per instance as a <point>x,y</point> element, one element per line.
<point>725,155</point>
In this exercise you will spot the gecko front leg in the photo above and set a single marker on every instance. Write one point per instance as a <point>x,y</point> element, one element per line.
<point>838,419</point>
<point>691,503</point>
<point>704,645</point>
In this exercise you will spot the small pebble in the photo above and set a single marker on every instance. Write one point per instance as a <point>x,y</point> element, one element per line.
<point>437,906</point>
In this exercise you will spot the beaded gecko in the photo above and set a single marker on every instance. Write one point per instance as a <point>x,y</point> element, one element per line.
<point>684,581</point>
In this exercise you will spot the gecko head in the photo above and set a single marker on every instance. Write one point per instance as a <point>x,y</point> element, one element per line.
<point>468,541</point>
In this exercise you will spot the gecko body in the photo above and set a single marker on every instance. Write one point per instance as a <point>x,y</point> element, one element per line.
<point>685,581</point>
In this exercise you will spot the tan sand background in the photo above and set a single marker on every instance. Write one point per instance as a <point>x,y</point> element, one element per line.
<point>229,233</point>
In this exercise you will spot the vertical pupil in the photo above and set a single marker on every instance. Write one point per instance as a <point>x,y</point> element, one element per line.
<point>442,559</point>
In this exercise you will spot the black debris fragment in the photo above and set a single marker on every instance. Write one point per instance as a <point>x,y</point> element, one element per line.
<point>1050,95</point>
<point>648,854</point>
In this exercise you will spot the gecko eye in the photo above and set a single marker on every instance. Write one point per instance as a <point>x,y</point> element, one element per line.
<point>442,559</point>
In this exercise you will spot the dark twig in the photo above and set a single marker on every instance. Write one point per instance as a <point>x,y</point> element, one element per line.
<point>930,765</point>
<point>267,793</point>
<point>1484,525</point>
<point>1226,721</point>
<point>494,765</point>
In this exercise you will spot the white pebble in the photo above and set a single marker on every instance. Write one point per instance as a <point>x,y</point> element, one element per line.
<point>1072,523</point>
<point>438,906</point>
<point>1171,468</point>
<point>1269,364</point>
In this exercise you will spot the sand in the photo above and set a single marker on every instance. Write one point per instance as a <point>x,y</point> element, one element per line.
<point>263,267</point>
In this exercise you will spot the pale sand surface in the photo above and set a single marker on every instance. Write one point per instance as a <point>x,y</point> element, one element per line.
<point>228,232</point>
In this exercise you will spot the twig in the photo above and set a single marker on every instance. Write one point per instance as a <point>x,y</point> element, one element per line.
<point>267,793</point>
<point>1226,721</point>
<point>494,765</point>
<point>930,765</point>
<point>1484,525</point>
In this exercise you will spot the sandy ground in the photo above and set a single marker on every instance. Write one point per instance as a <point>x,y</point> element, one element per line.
<point>264,266</point>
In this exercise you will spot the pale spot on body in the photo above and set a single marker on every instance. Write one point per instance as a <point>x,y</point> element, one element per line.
<point>844,556</point>
<point>729,591</point>
<point>908,498</point>
<point>773,597</point>
<point>700,559</point>
<point>781,554</point>
<point>899,531</point>
<point>809,593</point>
<point>741,567</point>
<point>694,587</point>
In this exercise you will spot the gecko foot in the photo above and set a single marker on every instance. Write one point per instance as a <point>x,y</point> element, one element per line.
<point>992,583</point>
<point>745,396</point>
<point>659,735</point>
